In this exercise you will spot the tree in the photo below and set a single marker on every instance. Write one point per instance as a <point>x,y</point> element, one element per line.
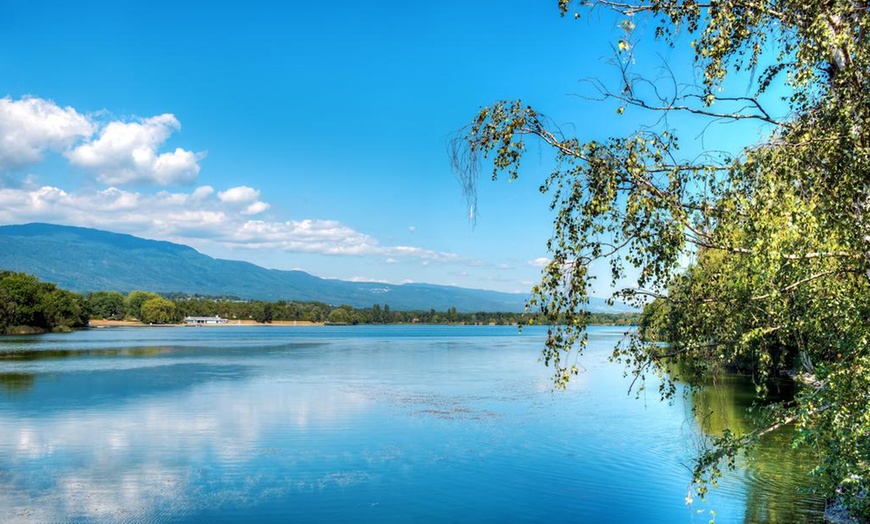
<point>452,314</point>
<point>23,293</point>
<point>7,310</point>
<point>134,302</point>
<point>63,309</point>
<point>107,305</point>
<point>158,311</point>
<point>339,316</point>
<point>779,231</point>
<point>263,313</point>
<point>25,301</point>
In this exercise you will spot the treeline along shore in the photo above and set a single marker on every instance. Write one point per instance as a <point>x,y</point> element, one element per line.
<point>29,306</point>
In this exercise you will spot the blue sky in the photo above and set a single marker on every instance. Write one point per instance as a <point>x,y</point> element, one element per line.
<point>295,135</point>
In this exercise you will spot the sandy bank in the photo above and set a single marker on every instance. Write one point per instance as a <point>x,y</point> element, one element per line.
<point>113,323</point>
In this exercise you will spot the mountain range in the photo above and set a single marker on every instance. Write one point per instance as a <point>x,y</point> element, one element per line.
<point>83,260</point>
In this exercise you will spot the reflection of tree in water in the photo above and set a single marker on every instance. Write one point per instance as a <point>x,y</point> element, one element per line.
<point>778,481</point>
<point>54,354</point>
<point>17,382</point>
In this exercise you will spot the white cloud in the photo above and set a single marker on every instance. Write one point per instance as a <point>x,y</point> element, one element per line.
<point>127,153</point>
<point>30,126</point>
<point>202,192</point>
<point>326,237</point>
<point>243,195</point>
<point>239,195</point>
<point>256,208</point>
<point>539,262</point>
<point>416,252</point>
<point>114,199</point>
<point>365,279</point>
<point>307,236</point>
<point>200,218</point>
<point>119,153</point>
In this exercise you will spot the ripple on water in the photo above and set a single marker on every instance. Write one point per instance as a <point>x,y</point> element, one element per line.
<point>277,425</point>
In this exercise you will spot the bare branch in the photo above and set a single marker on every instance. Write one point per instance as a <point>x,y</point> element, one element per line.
<point>674,105</point>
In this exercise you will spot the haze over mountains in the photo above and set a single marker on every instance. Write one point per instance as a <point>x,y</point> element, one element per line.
<point>82,259</point>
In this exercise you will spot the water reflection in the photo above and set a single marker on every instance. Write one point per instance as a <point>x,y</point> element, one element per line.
<point>46,393</point>
<point>177,453</point>
<point>279,425</point>
<point>53,354</point>
<point>16,382</point>
<point>775,477</point>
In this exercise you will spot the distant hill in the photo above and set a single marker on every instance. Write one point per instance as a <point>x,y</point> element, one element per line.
<point>82,259</point>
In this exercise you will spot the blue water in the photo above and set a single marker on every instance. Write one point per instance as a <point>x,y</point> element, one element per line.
<point>345,424</point>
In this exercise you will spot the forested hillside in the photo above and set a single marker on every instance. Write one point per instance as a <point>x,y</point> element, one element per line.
<point>87,260</point>
<point>30,306</point>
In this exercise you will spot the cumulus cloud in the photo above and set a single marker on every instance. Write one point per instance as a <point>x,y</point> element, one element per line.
<point>327,237</point>
<point>202,192</point>
<point>539,262</point>
<point>239,195</point>
<point>366,280</point>
<point>201,217</point>
<point>120,153</point>
<point>127,153</point>
<point>246,196</point>
<point>31,126</point>
<point>256,208</point>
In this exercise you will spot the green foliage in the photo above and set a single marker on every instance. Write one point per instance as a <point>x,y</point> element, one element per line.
<point>25,301</point>
<point>159,311</point>
<point>779,234</point>
<point>340,316</point>
<point>263,314</point>
<point>63,309</point>
<point>134,302</point>
<point>23,294</point>
<point>107,305</point>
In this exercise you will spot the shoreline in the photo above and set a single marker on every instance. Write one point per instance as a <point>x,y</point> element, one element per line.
<point>99,323</point>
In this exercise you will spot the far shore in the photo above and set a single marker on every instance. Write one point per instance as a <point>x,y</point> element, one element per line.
<point>100,323</point>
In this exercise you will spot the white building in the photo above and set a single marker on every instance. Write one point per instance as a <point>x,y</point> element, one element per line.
<point>198,321</point>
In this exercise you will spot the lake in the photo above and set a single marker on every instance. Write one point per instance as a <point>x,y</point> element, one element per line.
<point>362,424</point>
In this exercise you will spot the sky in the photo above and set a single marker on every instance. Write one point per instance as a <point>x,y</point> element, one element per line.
<point>296,135</point>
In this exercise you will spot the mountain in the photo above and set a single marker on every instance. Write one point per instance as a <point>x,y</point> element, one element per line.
<point>82,259</point>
